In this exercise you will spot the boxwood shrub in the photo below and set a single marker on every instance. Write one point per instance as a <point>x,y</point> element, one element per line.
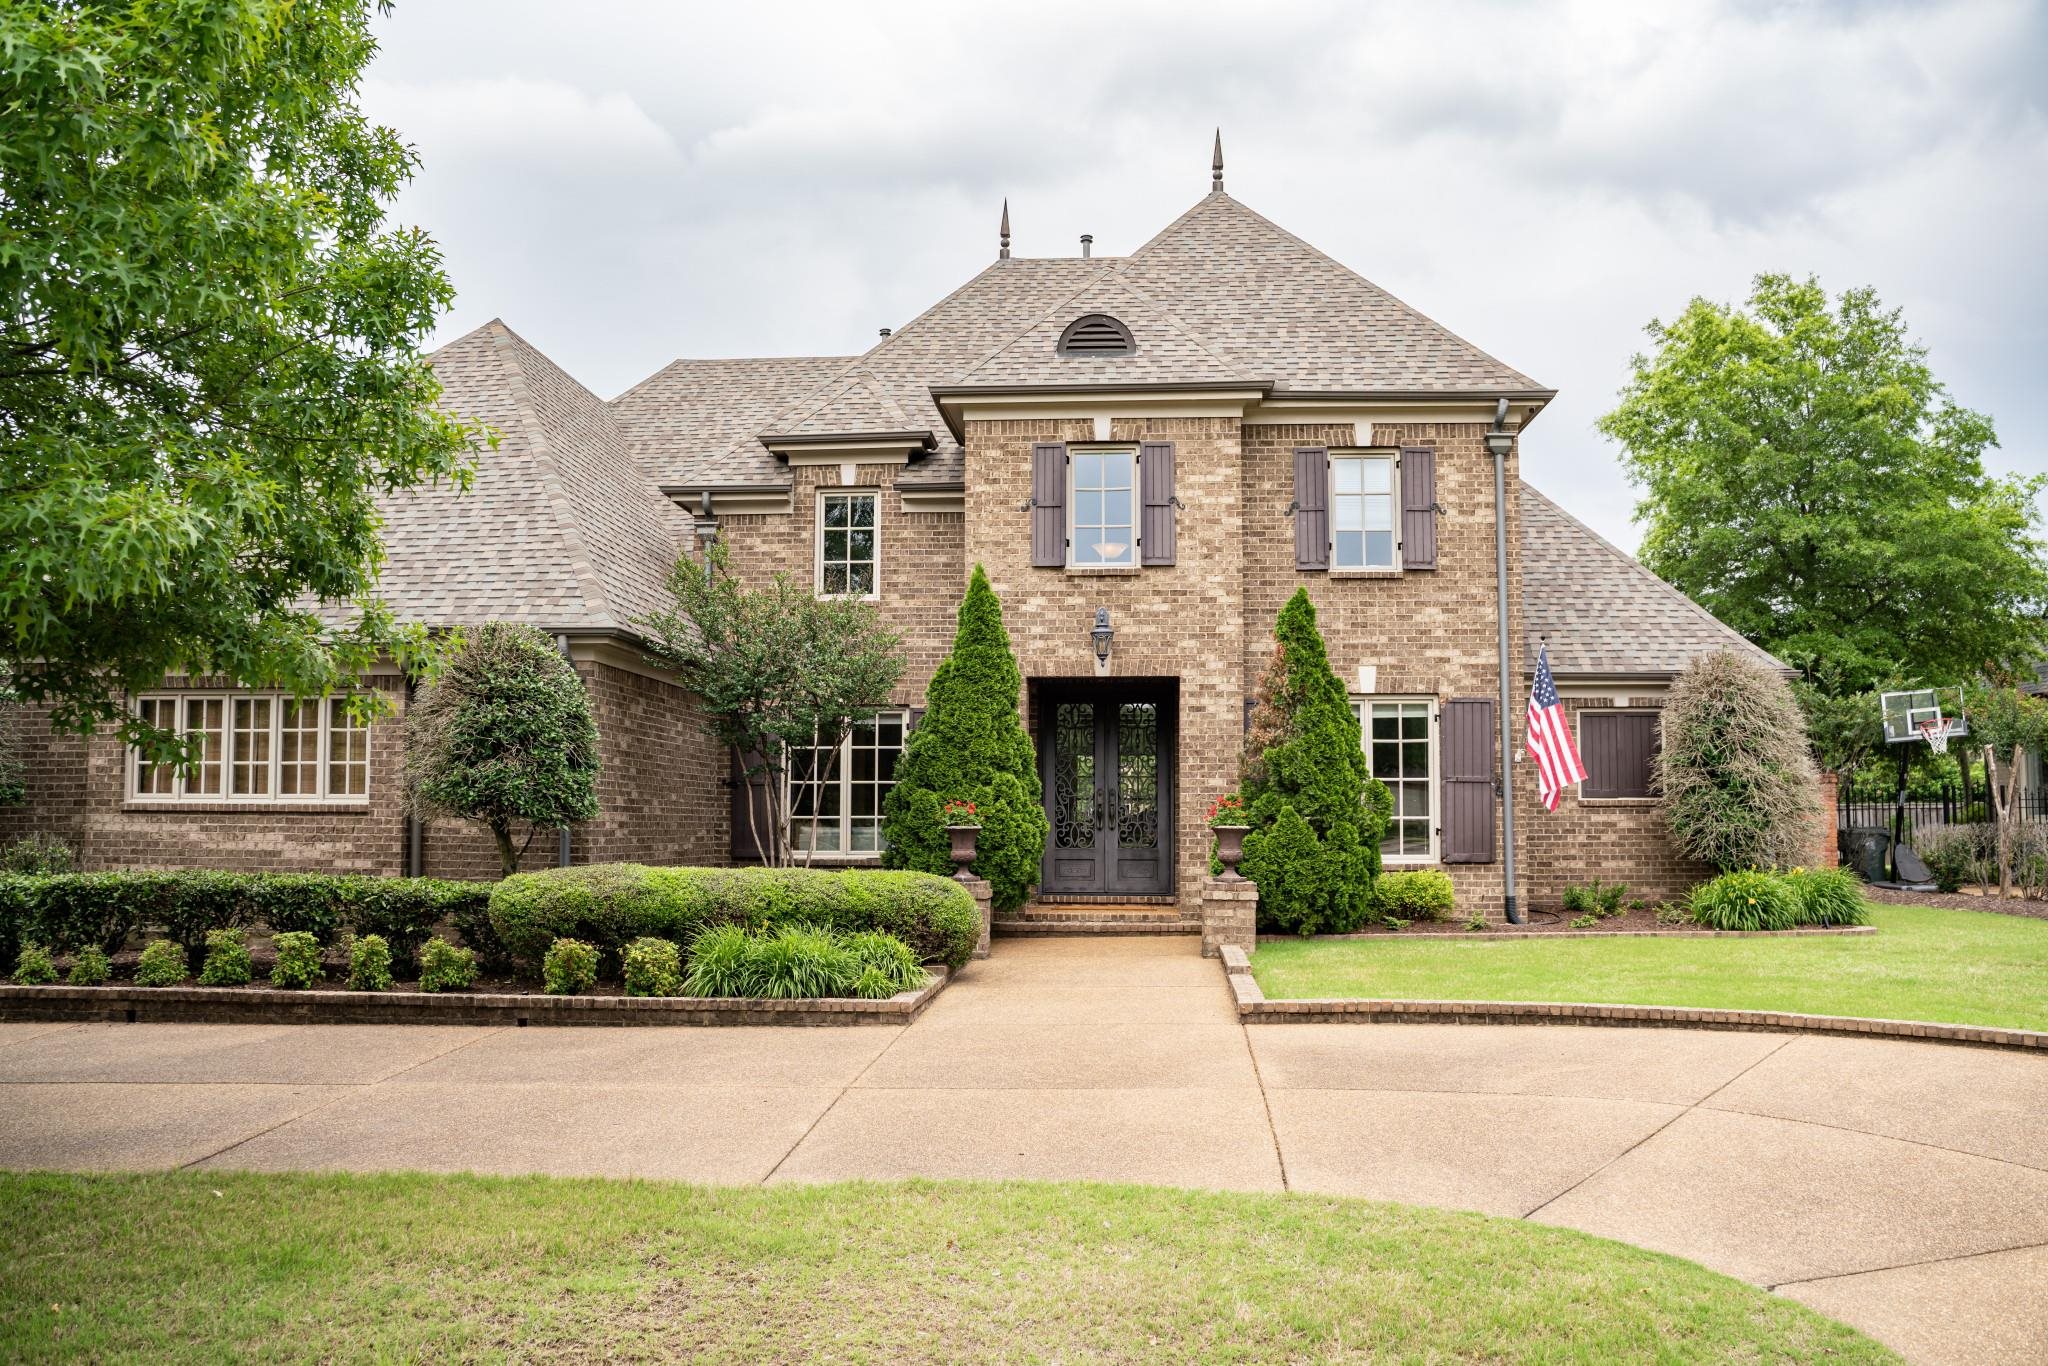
<point>610,905</point>
<point>1423,894</point>
<point>446,967</point>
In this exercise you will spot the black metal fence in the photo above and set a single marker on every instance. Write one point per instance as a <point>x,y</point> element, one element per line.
<point>1931,813</point>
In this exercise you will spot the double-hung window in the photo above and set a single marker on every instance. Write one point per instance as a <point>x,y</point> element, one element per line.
<point>1362,511</point>
<point>1399,735</point>
<point>849,545</point>
<point>1103,525</point>
<point>835,795</point>
<point>255,747</point>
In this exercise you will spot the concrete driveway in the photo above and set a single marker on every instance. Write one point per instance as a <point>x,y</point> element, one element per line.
<point>1901,1187</point>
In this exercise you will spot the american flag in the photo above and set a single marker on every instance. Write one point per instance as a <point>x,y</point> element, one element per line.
<point>1550,736</point>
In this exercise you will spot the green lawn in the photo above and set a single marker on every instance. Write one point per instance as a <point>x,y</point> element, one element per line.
<point>213,1266</point>
<point>1957,967</point>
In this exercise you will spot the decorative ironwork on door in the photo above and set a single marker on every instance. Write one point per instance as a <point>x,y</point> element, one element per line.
<point>1137,775</point>
<point>1073,780</point>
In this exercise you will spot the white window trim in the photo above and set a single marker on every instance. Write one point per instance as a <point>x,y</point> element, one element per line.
<point>1393,462</point>
<point>818,542</point>
<point>1579,739</point>
<point>1137,511</point>
<point>1361,706</point>
<point>178,796</point>
<point>902,714</point>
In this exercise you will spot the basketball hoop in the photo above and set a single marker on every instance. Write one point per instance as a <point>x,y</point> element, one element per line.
<point>1935,731</point>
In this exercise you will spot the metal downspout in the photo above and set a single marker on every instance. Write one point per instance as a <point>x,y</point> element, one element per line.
<point>562,848</point>
<point>1507,730</point>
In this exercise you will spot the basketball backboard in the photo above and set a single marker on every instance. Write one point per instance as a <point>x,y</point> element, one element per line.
<point>1907,710</point>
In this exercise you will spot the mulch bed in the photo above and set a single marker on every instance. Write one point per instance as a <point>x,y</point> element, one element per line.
<point>1540,922</point>
<point>1961,901</point>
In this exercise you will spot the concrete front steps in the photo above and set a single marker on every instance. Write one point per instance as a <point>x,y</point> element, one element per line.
<point>1073,916</point>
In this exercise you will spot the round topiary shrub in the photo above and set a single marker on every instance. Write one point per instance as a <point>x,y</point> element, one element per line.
<point>569,968</point>
<point>971,746</point>
<point>653,968</point>
<point>369,963</point>
<point>1746,900</point>
<point>163,964</point>
<point>1735,774</point>
<point>227,960</point>
<point>446,967</point>
<point>298,960</point>
<point>34,968</point>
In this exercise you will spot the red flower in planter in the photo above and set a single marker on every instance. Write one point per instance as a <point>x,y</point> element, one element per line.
<point>961,813</point>
<point>1227,810</point>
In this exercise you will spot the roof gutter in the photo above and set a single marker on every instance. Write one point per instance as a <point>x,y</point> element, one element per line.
<point>923,439</point>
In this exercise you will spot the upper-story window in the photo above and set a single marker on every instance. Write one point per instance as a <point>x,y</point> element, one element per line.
<point>849,544</point>
<point>255,747</point>
<point>1104,498</point>
<point>1362,512</point>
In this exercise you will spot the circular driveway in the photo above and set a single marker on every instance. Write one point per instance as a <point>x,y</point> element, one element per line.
<point>1901,1187</point>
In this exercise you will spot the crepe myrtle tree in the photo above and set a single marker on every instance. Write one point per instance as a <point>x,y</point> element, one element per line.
<point>781,677</point>
<point>503,737</point>
<point>210,354</point>
<point>2006,723</point>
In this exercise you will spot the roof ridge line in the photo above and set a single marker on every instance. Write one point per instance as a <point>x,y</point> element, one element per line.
<point>1107,272</point>
<point>643,382</point>
<point>1175,320</point>
<point>580,561</point>
<point>1643,570</point>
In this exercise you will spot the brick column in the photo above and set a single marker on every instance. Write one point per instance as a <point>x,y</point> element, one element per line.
<point>984,901</point>
<point>1230,914</point>
<point>1826,848</point>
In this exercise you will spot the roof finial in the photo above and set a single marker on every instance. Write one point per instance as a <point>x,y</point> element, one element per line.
<point>1004,254</point>
<point>1216,166</point>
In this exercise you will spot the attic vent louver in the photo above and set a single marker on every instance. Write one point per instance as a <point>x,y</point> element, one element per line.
<point>1096,334</point>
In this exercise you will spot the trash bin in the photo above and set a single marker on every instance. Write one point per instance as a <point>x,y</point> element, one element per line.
<point>1866,851</point>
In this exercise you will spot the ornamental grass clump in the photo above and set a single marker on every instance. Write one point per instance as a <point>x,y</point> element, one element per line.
<point>227,960</point>
<point>1827,896</point>
<point>163,964</point>
<point>1748,900</point>
<point>298,960</point>
<point>34,968</point>
<point>90,968</point>
<point>569,968</point>
<point>653,968</point>
<point>446,967</point>
<point>800,962</point>
<point>369,963</point>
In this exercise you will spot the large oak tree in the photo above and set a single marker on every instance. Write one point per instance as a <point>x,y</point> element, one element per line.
<point>1807,479</point>
<point>210,354</point>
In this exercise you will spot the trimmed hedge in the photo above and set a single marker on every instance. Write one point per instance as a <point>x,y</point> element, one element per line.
<point>1418,894</point>
<point>610,905</point>
<point>72,911</point>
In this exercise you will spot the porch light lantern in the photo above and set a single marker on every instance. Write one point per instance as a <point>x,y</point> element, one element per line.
<point>1102,635</point>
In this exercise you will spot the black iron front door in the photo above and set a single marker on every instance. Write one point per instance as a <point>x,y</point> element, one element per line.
<point>1106,757</point>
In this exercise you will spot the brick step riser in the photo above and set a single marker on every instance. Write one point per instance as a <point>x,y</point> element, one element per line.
<point>1028,929</point>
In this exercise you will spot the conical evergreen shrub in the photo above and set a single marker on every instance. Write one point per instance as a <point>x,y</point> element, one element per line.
<point>1316,812</point>
<point>971,746</point>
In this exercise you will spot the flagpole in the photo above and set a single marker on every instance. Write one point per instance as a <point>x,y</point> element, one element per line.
<point>1500,441</point>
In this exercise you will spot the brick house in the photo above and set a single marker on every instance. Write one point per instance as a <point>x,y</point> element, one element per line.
<point>1178,438</point>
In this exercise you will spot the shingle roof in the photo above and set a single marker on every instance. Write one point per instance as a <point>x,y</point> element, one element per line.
<point>560,528</point>
<point>1600,611</point>
<point>695,421</point>
<point>1165,352</point>
<point>854,404</point>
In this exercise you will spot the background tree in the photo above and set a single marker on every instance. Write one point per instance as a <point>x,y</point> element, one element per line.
<point>1808,481</point>
<point>209,351</point>
<point>2006,723</point>
<point>1315,811</point>
<point>971,746</point>
<point>782,677</point>
<point>1735,772</point>
<point>503,737</point>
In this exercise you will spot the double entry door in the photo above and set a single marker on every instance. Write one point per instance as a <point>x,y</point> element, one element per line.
<point>1105,752</point>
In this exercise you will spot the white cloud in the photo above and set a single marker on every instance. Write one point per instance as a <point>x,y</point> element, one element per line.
<point>634,181</point>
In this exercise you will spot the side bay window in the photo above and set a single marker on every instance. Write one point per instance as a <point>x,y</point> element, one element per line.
<point>1399,735</point>
<point>255,747</point>
<point>835,795</point>
<point>1102,506</point>
<point>1364,510</point>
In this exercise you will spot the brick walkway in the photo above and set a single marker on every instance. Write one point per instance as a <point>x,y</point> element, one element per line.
<point>1901,1187</point>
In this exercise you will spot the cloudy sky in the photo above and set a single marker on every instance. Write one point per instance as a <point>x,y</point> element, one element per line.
<point>629,182</point>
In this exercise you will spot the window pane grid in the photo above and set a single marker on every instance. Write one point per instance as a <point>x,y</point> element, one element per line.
<point>250,769</point>
<point>1104,528</point>
<point>255,747</point>
<point>1399,749</point>
<point>1362,512</point>
<point>847,546</point>
<point>836,795</point>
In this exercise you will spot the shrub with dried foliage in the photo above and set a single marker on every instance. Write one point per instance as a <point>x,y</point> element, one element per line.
<point>1735,773</point>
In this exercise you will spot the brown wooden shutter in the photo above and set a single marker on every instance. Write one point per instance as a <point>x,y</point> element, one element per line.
<point>745,789</point>
<point>1049,505</point>
<point>1311,507</point>
<point>1418,507</point>
<point>1468,795</point>
<point>1618,748</point>
<point>1155,486</point>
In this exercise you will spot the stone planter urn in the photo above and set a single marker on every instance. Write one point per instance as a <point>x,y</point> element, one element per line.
<point>1230,848</point>
<point>963,838</point>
